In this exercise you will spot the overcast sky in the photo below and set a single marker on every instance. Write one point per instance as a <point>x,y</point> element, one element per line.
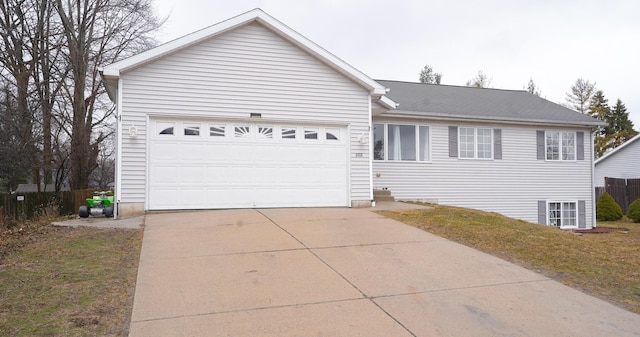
<point>554,42</point>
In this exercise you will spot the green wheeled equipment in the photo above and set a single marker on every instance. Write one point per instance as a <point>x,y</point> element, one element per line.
<point>100,205</point>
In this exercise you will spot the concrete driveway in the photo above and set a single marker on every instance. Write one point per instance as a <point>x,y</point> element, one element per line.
<point>343,272</point>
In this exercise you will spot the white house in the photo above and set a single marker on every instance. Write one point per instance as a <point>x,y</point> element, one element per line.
<point>505,151</point>
<point>622,162</point>
<point>249,113</point>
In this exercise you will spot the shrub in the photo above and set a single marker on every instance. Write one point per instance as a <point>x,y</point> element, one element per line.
<point>607,209</point>
<point>633,212</point>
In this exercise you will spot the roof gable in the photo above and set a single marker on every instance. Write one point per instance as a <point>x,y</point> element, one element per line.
<point>447,101</point>
<point>617,149</point>
<point>112,72</point>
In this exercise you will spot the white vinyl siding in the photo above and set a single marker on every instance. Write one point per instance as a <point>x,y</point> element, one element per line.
<point>623,164</point>
<point>511,186</point>
<point>246,70</point>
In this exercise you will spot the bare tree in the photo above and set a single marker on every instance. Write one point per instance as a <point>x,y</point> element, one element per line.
<point>96,33</point>
<point>15,28</point>
<point>580,96</point>
<point>479,81</point>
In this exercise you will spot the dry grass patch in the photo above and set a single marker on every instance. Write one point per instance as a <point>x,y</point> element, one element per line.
<point>69,282</point>
<point>605,265</point>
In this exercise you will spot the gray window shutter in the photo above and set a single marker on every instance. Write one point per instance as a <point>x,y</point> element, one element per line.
<point>497,144</point>
<point>453,141</point>
<point>542,212</point>
<point>582,216</point>
<point>540,143</point>
<point>580,145</point>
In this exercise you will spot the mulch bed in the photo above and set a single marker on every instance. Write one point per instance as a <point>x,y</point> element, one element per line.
<point>600,230</point>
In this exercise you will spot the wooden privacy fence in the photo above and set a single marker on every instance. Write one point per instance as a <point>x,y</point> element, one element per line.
<point>30,206</point>
<point>623,191</point>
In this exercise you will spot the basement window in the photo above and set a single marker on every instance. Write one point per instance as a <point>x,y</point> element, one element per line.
<point>563,214</point>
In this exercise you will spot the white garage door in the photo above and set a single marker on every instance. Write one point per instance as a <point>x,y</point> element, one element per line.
<point>199,165</point>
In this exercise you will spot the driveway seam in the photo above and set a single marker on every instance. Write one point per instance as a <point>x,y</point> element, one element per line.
<point>461,288</point>
<point>285,250</point>
<point>253,309</point>
<point>339,274</point>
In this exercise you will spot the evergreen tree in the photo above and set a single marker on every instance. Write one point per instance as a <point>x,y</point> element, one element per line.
<point>532,88</point>
<point>620,128</point>
<point>599,109</point>
<point>428,75</point>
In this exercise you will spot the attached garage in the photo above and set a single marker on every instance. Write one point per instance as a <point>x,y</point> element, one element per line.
<point>196,164</point>
<point>245,113</point>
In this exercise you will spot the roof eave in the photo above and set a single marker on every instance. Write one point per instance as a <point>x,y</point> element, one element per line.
<point>441,116</point>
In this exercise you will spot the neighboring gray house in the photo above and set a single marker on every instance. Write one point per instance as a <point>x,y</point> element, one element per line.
<point>622,162</point>
<point>249,113</point>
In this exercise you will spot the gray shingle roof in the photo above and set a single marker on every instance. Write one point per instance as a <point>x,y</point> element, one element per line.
<point>434,100</point>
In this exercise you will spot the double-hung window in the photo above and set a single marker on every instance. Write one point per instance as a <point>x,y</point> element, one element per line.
<point>560,145</point>
<point>562,214</point>
<point>476,143</point>
<point>401,142</point>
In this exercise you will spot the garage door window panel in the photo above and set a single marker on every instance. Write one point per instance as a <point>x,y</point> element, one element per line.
<point>165,128</point>
<point>217,130</point>
<point>242,131</point>
<point>265,132</point>
<point>191,130</point>
<point>288,133</point>
<point>310,133</point>
<point>332,134</point>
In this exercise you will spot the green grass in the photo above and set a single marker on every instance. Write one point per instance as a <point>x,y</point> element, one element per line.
<point>604,265</point>
<point>68,281</point>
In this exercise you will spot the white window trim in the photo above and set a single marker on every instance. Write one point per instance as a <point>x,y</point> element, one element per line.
<point>575,146</point>
<point>475,143</point>
<point>418,147</point>
<point>561,202</point>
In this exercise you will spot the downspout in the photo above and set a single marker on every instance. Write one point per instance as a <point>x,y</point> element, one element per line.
<point>593,182</point>
<point>371,150</point>
<point>118,170</point>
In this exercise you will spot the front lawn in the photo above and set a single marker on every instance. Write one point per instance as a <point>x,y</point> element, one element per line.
<point>604,265</point>
<point>58,281</point>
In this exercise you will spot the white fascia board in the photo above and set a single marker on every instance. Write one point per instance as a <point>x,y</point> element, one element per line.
<point>116,69</point>
<point>387,102</point>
